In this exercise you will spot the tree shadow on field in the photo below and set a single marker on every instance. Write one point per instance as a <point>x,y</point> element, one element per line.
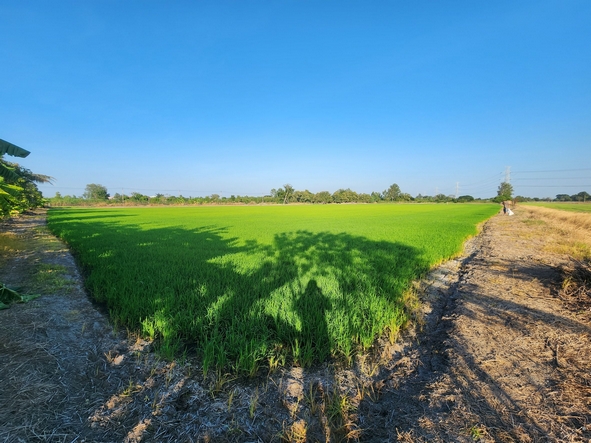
<point>65,215</point>
<point>243,304</point>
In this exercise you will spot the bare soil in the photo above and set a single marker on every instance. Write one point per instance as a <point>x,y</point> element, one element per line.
<point>499,352</point>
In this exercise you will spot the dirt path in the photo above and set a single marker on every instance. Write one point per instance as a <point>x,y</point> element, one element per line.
<point>499,357</point>
<point>507,361</point>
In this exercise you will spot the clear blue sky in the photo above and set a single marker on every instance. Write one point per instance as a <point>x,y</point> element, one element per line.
<point>241,97</point>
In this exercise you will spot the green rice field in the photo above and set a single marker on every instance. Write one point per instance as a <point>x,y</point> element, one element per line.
<point>574,207</point>
<point>252,286</point>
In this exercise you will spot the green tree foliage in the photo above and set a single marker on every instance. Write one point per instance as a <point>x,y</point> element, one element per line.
<point>303,196</point>
<point>505,191</point>
<point>288,192</point>
<point>392,193</point>
<point>322,197</point>
<point>376,197</point>
<point>581,197</point>
<point>345,196</point>
<point>18,189</point>
<point>284,195</point>
<point>140,198</point>
<point>364,198</point>
<point>96,192</point>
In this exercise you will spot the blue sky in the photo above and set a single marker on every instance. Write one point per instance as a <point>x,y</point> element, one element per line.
<point>196,98</point>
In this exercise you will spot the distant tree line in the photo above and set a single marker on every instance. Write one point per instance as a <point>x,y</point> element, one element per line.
<point>580,197</point>
<point>98,194</point>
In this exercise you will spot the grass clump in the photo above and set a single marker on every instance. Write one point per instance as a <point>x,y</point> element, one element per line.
<point>253,287</point>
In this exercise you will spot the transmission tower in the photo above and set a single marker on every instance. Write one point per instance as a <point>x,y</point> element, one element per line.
<point>508,174</point>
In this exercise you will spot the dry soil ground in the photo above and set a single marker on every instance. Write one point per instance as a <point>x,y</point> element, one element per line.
<point>499,352</point>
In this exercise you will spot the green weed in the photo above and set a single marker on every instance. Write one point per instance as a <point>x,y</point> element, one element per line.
<point>52,278</point>
<point>254,401</point>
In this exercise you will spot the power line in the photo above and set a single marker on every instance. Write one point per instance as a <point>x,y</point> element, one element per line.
<point>489,179</point>
<point>553,178</point>
<point>554,186</point>
<point>552,170</point>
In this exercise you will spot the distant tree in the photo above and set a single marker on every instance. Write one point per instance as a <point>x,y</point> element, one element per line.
<point>376,197</point>
<point>345,196</point>
<point>338,196</point>
<point>465,198</point>
<point>278,194</point>
<point>322,197</point>
<point>442,198</point>
<point>302,196</point>
<point>563,197</point>
<point>96,192</point>
<point>521,198</point>
<point>138,197</point>
<point>581,197</point>
<point>505,191</point>
<point>392,193</point>
<point>423,198</point>
<point>351,195</point>
<point>288,193</point>
<point>364,198</point>
<point>306,196</point>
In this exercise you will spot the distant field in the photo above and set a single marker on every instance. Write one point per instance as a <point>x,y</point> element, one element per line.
<point>251,286</point>
<point>576,207</point>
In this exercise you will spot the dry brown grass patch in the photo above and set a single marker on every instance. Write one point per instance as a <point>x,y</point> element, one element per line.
<point>573,229</point>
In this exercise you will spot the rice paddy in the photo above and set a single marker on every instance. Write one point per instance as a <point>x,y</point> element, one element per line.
<point>574,207</point>
<point>256,286</point>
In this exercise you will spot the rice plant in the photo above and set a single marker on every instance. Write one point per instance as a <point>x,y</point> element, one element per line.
<point>250,286</point>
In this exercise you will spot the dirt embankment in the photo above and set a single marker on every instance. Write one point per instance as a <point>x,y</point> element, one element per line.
<point>500,352</point>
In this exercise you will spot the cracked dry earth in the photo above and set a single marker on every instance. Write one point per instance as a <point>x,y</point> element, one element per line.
<point>496,353</point>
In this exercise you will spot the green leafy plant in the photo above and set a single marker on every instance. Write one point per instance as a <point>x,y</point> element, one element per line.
<point>9,296</point>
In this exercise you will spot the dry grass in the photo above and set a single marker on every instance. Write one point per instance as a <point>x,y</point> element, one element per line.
<point>572,228</point>
<point>576,287</point>
<point>580,220</point>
